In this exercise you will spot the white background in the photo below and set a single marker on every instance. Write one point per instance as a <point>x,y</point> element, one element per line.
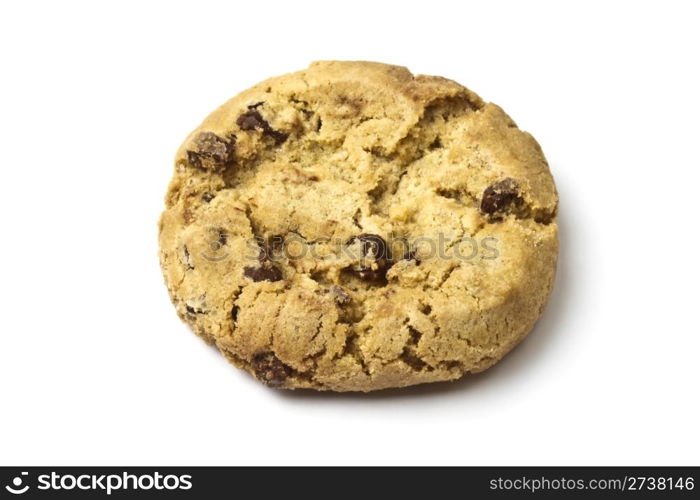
<point>95,367</point>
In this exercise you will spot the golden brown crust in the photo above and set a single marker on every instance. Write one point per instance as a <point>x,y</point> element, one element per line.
<point>281,196</point>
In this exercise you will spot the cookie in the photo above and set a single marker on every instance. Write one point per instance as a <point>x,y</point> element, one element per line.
<point>353,227</point>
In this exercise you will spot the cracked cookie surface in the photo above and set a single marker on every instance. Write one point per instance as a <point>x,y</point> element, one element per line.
<point>353,227</point>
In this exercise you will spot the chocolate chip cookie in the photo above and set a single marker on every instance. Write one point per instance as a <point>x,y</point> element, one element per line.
<point>353,227</point>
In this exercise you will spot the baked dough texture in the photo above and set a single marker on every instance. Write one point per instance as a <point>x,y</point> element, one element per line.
<point>353,227</point>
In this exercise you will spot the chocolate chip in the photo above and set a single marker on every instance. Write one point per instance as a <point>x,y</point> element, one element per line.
<point>436,144</point>
<point>269,369</point>
<point>373,246</point>
<point>376,250</point>
<point>223,237</point>
<point>265,272</point>
<point>369,274</point>
<point>234,313</point>
<point>339,295</point>
<point>211,151</point>
<point>207,197</point>
<point>277,136</point>
<point>252,119</point>
<point>501,197</point>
